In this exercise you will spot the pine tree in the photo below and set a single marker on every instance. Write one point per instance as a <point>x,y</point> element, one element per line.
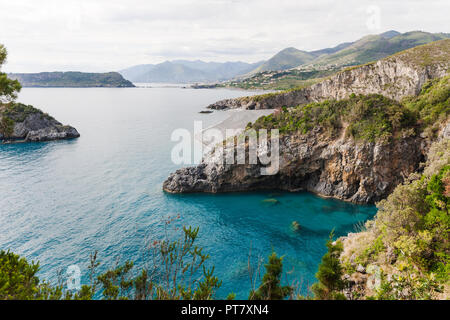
<point>271,288</point>
<point>330,273</point>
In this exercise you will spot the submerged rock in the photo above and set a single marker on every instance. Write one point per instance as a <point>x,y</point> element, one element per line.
<point>295,226</point>
<point>23,123</point>
<point>271,201</point>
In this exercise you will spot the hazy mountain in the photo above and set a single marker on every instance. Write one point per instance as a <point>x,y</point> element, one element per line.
<point>366,49</point>
<point>184,71</point>
<point>71,79</point>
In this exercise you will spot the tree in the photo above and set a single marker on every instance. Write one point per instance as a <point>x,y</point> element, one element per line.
<point>8,87</point>
<point>330,273</point>
<point>271,288</point>
<point>174,275</point>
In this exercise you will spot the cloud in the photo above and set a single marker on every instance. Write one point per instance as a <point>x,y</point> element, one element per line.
<point>106,35</point>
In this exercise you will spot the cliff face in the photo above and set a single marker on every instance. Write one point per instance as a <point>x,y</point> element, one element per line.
<point>395,77</point>
<point>357,149</point>
<point>333,167</point>
<point>20,123</point>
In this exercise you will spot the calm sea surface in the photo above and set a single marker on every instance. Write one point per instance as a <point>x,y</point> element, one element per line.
<point>62,200</point>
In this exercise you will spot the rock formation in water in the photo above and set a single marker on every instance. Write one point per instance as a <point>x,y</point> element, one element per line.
<point>23,123</point>
<point>357,162</point>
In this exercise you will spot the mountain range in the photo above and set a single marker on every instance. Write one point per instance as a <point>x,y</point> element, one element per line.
<point>183,71</point>
<point>364,50</point>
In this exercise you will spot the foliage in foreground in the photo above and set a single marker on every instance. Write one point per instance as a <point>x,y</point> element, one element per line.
<point>330,273</point>
<point>408,241</point>
<point>178,273</point>
<point>8,87</point>
<point>271,288</point>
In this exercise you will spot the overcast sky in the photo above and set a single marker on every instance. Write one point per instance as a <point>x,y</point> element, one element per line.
<point>105,35</point>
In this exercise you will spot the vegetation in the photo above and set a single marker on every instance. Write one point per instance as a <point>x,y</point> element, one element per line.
<point>367,118</point>
<point>12,112</point>
<point>178,272</point>
<point>330,274</point>
<point>71,79</point>
<point>8,87</point>
<point>271,288</point>
<point>433,103</point>
<point>409,239</point>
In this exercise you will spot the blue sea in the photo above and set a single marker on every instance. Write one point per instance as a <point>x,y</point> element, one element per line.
<point>61,201</point>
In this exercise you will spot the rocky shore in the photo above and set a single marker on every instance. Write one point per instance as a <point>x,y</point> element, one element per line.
<point>339,168</point>
<point>22,123</point>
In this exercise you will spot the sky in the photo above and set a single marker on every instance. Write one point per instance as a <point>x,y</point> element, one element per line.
<point>110,35</point>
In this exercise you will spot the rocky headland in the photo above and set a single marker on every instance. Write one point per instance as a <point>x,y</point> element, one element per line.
<point>356,145</point>
<point>24,123</point>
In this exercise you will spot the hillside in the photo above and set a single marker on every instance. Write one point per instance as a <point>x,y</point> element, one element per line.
<point>404,252</point>
<point>183,71</point>
<point>286,59</point>
<point>71,79</point>
<point>328,61</point>
<point>376,47</point>
<point>397,76</point>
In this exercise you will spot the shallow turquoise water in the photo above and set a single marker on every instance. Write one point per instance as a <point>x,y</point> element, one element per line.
<point>60,201</point>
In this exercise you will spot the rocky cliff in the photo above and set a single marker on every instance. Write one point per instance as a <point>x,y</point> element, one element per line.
<point>397,76</point>
<point>403,252</point>
<point>356,149</point>
<point>332,167</point>
<point>22,123</point>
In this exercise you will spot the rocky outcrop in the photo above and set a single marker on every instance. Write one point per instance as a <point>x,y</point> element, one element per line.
<point>360,172</point>
<point>26,124</point>
<point>395,77</point>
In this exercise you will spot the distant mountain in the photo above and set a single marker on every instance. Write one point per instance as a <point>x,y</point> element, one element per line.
<point>369,48</point>
<point>71,79</point>
<point>184,71</point>
<point>286,59</point>
<point>375,47</point>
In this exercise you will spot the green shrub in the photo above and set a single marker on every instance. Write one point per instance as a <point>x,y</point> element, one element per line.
<point>271,288</point>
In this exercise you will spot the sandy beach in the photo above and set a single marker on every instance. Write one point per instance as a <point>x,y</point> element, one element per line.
<point>237,120</point>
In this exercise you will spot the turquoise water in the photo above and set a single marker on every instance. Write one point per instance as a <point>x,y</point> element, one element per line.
<point>62,200</point>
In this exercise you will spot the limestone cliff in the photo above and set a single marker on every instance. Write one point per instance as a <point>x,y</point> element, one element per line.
<point>397,76</point>
<point>356,149</point>
<point>340,168</point>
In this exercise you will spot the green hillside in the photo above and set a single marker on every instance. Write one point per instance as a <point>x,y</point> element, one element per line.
<point>286,59</point>
<point>376,47</point>
<point>329,61</point>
